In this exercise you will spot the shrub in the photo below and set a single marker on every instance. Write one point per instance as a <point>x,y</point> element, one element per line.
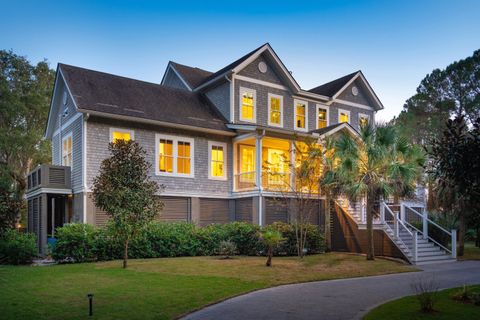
<point>463,294</point>
<point>106,246</point>
<point>227,249</point>
<point>426,292</point>
<point>75,243</point>
<point>17,248</point>
<point>315,239</point>
<point>245,236</point>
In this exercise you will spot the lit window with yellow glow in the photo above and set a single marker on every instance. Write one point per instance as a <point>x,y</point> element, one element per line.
<point>247,163</point>
<point>322,118</point>
<point>362,120</point>
<point>183,158</point>
<point>217,160</point>
<point>247,110</point>
<point>120,134</point>
<point>165,163</point>
<point>67,151</point>
<point>300,115</point>
<point>275,110</point>
<point>343,116</point>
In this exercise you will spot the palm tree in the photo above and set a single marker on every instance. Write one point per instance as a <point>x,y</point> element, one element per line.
<point>373,165</point>
<point>272,239</point>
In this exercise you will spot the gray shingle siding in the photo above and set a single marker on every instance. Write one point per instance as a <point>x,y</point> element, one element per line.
<point>97,149</point>
<point>220,97</point>
<point>252,71</point>
<point>354,112</point>
<point>173,81</point>
<point>360,98</point>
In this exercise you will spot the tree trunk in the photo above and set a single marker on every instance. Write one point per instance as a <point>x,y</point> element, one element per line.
<point>269,257</point>
<point>461,238</point>
<point>328,232</point>
<point>125,255</point>
<point>370,247</point>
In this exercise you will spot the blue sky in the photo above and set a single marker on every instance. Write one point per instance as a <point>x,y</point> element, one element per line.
<point>395,43</point>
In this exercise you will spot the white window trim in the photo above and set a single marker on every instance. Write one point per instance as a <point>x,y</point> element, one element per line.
<point>295,101</point>
<point>270,96</point>
<point>65,137</point>
<point>175,140</point>
<point>363,115</point>
<point>224,146</point>
<point>254,92</point>
<point>112,130</point>
<point>344,111</point>
<point>322,106</point>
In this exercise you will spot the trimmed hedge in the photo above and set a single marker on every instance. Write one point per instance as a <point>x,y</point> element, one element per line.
<point>17,248</point>
<point>80,242</point>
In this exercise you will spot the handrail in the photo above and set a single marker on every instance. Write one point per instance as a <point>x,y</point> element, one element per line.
<point>432,222</point>
<point>405,227</point>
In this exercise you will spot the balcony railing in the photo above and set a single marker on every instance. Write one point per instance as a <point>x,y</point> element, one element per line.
<point>270,181</point>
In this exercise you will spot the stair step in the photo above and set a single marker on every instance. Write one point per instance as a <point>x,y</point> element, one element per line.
<point>434,258</point>
<point>431,254</point>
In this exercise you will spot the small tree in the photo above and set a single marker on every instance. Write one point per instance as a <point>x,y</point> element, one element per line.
<point>123,190</point>
<point>302,191</point>
<point>272,239</point>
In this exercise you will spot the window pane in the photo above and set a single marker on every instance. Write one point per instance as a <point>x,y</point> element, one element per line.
<point>363,121</point>
<point>322,118</point>
<point>120,135</point>
<point>247,106</point>
<point>216,162</point>
<point>343,117</point>
<point>183,165</point>
<point>300,115</point>
<point>275,111</point>
<point>166,156</point>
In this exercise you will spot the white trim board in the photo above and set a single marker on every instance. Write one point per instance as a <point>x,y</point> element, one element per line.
<point>47,190</point>
<point>175,139</point>
<point>261,82</point>
<point>269,103</point>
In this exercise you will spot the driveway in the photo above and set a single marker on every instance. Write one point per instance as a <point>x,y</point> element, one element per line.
<point>336,299</point>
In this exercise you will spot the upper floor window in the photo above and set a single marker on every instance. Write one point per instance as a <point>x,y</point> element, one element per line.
<point>322,117</point>
<point>247,105</point>
<point>121,134</point>
<point>174,156</point>
<point>301,115</point>
<point>217,160</point>
<point>343,116</point>
<point>275,110</point>
<point>363,120</point>
<point>67,150</point>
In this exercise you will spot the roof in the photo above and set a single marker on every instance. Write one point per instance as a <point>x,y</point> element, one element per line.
<point>106,93</point>
<point>334,128</point>
<point>326,129</point>
<point>193,75</point>
<point>330,88</point>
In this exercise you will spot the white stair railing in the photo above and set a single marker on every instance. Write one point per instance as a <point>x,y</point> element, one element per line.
<point>387,216</point>
<point>423,217</point>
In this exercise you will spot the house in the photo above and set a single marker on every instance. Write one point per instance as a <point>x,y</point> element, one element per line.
<point>207,135</point>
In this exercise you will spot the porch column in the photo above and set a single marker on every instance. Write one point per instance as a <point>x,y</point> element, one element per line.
<point>258,162</point>
<point>292,165</point>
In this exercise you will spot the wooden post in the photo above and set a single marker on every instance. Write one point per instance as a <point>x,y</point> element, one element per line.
<point>454,243</point>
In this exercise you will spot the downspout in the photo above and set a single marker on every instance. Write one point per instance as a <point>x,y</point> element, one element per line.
<point>232,100</point>
<point>259,177</point>
<point>84,165</point>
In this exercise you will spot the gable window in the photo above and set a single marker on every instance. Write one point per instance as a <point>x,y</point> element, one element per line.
<point>363,120</point>
<point>217,160</point>
<point>121,134</point>
<point>67,150</point>
<point>301,115</point>
<point>322,117</point>
<point>247,105</point>
<point>343,116</point>
<point>174,156</point>
<point>275,110</point>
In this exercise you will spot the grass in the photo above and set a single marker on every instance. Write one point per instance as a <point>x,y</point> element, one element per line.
<point>471,252</point>
<point>162,288</point>
<point>445,308</point>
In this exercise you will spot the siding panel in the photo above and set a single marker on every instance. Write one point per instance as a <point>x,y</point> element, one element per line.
<point>175,209</point>
<point>214,211</point>
<point>244,209</point>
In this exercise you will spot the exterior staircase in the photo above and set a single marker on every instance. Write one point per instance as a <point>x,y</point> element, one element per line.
<point>417,246</point>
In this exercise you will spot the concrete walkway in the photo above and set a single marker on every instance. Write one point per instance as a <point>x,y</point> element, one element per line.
<point>336,299</point>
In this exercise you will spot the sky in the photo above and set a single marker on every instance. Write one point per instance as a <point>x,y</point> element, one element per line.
<point>395,43</point>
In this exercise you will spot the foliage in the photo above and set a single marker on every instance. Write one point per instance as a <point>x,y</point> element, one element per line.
<point>464,294</point>
<point>25,91</point>
<point>123,190</point>
<point>75,243</point>
<point>375,165</point>
<point>82,242</point>
<point>425,290</point>
<point>455,166</point>
<point>227,249</point>
<point>17,248</point>
<point>272,239</point>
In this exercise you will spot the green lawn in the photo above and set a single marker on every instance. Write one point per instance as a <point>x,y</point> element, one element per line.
<point>162,288</point>
<point>471,252</point>
<point>445,308</point>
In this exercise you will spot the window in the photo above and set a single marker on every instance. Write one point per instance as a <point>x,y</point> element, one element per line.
<point>247,163</point>
<point>121,134</point>
<point>343,116</point>
<point>275,110</point>
<point>301,115</point>
<point>217,160</point>
<point>322,117</point>
<point>67,150</point>
<point>247,105</point>
<point>363,120</point>
<point>174,156</point>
